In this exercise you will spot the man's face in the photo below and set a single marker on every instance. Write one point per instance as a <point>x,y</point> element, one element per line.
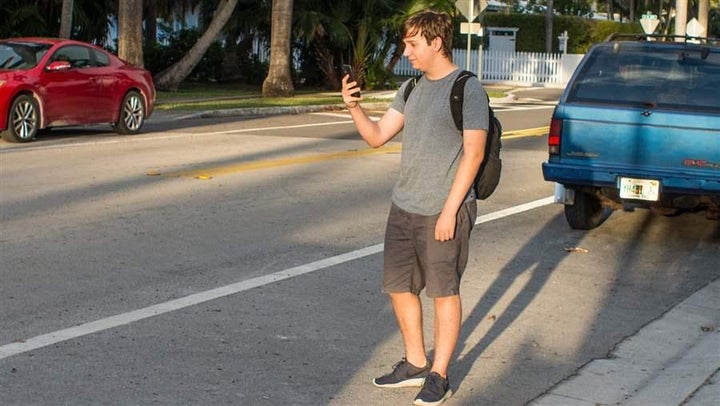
<point>418,51</point>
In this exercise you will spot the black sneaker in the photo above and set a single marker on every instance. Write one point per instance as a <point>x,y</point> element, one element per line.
<point>435,390</point>
<point>404,374</point>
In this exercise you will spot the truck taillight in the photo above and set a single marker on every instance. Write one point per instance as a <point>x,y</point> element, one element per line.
<point>554,136</point>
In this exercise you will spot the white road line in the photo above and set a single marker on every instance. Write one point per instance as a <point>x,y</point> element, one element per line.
<point>514,210</point>
<point>172,135</point>
<point>168,135</point>
<point>107,323</point>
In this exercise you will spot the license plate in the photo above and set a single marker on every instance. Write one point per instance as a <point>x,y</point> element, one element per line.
<point>641,189</point>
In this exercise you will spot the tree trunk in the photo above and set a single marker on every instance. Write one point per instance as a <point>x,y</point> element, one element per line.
<point>66,19</point>
<point>170,78</point>
<point>278,82</point>
<point>704,15</point>
<point>130,17</point>
<point>681,7</point>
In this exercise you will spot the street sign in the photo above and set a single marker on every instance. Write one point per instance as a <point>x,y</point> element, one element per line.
<point>562,42</point>
<point>649,22</point>
<point>471,28</point>
<point>471,8</point>
<point>695,29</point>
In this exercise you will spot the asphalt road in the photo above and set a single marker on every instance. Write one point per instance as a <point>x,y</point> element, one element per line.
<point>236,261</point>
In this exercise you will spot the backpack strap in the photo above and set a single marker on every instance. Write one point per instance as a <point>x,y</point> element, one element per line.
<point>457,97</point>
<point>410,86</point>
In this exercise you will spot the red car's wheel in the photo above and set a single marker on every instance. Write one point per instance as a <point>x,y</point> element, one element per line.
<point>132,114</point>
<point>23,120</point>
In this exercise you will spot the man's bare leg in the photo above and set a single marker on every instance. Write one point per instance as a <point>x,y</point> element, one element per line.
<point>448,315</point>
<point>408,312</point>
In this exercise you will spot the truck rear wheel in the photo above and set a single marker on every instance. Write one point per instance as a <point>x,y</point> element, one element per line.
<point>586,212</point>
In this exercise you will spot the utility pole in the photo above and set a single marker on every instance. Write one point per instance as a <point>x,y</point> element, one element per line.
<point>549,27</point>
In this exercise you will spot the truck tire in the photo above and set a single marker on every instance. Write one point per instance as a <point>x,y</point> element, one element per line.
<point>586,212</point>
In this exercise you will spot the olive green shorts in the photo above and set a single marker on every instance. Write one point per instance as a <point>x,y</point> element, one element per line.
<point>414,260</point>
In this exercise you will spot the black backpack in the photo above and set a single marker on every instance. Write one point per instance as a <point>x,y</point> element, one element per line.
<point>488,175</point>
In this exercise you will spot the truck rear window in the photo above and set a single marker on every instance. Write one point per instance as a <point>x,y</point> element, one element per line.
<point>664,76</point>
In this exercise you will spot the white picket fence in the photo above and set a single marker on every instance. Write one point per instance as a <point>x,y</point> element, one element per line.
<point>527,68</point>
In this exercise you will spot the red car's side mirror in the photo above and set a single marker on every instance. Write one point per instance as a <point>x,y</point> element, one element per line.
<point>58,66</point>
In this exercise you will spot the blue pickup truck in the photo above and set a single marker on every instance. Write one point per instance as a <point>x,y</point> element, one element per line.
<point>638,126</point>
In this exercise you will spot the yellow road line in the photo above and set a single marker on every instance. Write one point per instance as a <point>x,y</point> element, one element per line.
<point>529,132</point>
<point>208,173</point>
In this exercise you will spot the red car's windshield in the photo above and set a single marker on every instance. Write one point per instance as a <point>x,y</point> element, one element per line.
<point>21,55</point>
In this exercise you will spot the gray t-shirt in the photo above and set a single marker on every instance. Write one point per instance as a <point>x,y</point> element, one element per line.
<point>432,145</point>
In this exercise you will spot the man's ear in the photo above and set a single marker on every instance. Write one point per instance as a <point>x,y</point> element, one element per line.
<point>437,44</point>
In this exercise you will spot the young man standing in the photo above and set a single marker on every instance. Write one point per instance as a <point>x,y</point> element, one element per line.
<point>433,206</point>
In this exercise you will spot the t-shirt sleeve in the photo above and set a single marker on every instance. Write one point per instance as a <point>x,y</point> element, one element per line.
<point>398,102</point>
<point>475,106</point>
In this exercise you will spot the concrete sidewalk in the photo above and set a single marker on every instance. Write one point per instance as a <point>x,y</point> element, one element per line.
<point>672,361</point>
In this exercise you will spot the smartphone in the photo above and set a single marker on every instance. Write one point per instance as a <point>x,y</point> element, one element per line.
<point>348,70</point>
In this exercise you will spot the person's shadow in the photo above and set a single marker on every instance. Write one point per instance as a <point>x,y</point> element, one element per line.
<point>538,258</point>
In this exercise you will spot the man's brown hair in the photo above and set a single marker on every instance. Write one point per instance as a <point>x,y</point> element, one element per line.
<point>432,24</point>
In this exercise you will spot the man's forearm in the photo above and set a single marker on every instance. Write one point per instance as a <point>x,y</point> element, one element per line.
<point>376,133</point>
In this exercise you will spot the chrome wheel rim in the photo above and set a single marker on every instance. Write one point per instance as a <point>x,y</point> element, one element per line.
<point>133,113</point>
<point>24,119</point>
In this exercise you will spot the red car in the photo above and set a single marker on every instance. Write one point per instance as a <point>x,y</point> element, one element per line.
<point>48,83</point>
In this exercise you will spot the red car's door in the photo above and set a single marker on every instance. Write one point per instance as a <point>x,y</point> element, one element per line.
<point>71,96</point>
<point>105,76</point>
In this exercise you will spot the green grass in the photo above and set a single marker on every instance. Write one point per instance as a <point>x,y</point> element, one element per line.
<point>247,102</point>
<point>197,97</point>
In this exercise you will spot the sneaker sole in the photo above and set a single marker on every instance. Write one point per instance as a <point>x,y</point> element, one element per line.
<point>420,402</point>
<point>408,383</point>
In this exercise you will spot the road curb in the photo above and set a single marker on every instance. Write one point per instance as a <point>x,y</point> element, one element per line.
<point>261,111</point>
<point>162,116</point>
<point>662,364</point>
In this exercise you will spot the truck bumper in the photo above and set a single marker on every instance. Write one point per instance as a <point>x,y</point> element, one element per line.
<point>706,182</point>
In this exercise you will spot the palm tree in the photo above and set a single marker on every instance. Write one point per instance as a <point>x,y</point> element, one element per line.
<point>19,18</point>
<point>324,28</point>
<point>166,10</point>
<point>251,21</point>
<point>66,19</point>
<point>278,82</point>
<point>393,24</point>
<point>170,78</point>
<point>130,31</point>
<point>92,20</point>
<point>362,33</point>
